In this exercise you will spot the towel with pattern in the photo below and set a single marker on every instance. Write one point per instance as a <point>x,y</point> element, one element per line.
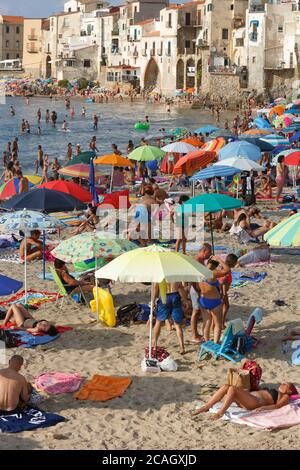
<point>103,388</point>
<point>26,419</point>
<point>34,298</point>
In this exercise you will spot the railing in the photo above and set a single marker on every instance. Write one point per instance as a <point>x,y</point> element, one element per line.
<point>32,37</point>
<point>10,67</point>
<point>31,49</point>
<point>257,8</point>
<point>129,78</point>
<point>202,43</point>
<point>115,50</point>
<point>230,69</point>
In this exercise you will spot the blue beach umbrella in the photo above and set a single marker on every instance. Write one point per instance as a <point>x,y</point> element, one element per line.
<point>279,148</point>
<point>264,146</point>
<point>92,182</point>
<point>206,129</point>
<point>214,171</point>
<point>275,140</point>
<point>9,286</point>
<point>240,149</point>
<point>262,123</point>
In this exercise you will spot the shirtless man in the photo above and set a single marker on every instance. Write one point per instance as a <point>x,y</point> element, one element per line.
<point>40,159</point>
<point>173,309</point>
<point>13,386</point>
<point>69,152</point>
<point>34,248</point>
<point>23,182</point>
<point>159,194</point>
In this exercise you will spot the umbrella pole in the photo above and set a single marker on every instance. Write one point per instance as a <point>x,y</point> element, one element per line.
<point>212,234</point>
<point>111,180</point>
<point>151,321</point>
<point>25,266</point>
<point>193,188</point>
<point>44,255</point>
<point>97,294</point>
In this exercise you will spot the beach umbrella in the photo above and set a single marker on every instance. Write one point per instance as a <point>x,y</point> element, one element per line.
<point>68,187</point>
<point>293,158</point>
<point>193,141</point>
<point>275,140</point>
<point>255,140</point>
<point>188,164</point>
<point>206,129</point>
<point>44,200</point>
<point>146,153</point>
<point>256,132</point>
<point>179,147</point>
<point>262,123</point>
<point>294,110</point>
<point>210,203</point>
<point>215,171</point>
<point>82,170</point>
<point>278,109</point>
<point>241,163</point>
<point>162,265</point>
<point>214,145</point>
<point>9,286</point>
<point>286,233</point>
<point>83,157</point>
<point>11,188</point>
<point>225,133</point>
<point>34,179</point>
<point>113,160</point>
<point>92,183</point>
<point>240,149</point>
<point>26,221</point>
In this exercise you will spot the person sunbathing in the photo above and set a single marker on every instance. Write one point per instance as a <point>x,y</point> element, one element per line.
<point>293,335</point>
<point>88,225</point>
<point>265,399</point>
<point>14,388</point>
<point>25,321</point>
<point>33,247</point>
<point>72,285</point>
<point>265,189</point>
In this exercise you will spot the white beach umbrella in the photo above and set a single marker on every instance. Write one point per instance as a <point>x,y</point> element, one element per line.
<point>243,164</point>
<point>179,147</point>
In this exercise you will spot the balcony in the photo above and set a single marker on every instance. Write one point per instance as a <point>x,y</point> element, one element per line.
<point>11,65</point>
<point>226,69</point>
<point>201,43</point>
<point>130,78</point>
<point>257,9</point>
<point>32,49</point>
<point>32,37</point>
<point>253,36</point>
<point>115,32</point>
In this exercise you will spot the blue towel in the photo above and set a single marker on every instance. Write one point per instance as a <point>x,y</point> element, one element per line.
<point>27,419</point>
<point>242,277</point>
<point>30,341</point>
<point>9,286</point>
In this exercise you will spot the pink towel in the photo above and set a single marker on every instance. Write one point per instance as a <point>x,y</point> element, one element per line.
<point>284,417</point>
<point>57,382</point>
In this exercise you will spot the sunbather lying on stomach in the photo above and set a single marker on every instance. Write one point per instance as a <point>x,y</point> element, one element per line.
<point>263,400</point>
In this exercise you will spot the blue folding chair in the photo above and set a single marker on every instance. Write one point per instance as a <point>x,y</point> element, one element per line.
<point>224,349</point>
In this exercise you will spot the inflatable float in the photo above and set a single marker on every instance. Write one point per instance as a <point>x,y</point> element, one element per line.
<point>106,309</point>
<point>144,126</point>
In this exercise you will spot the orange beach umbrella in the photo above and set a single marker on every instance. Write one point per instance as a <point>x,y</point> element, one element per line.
<point>193,162</point>
<point>114,160</point>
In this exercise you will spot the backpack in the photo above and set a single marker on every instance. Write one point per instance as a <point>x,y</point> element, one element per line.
<point>127,313</point>
<point>10,340</point>
<point>255,374</point>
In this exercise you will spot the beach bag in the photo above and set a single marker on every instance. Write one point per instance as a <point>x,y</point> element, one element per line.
<point>158,353</point>
<point>242,343</point>
<point>150,365</point>
<point>143,313</point>
<point>239,378</point>
<point>168,365</point>
<point>57,382</point>
<point>9,339</point>
<point>127,313</point>
<point>255,374</point>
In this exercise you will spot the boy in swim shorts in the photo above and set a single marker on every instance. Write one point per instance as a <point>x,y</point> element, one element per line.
<point>173,309</point>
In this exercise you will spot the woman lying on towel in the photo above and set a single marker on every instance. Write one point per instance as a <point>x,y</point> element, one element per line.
<point>265,399</point>
<point>293,335</point>
<point>25,321</point>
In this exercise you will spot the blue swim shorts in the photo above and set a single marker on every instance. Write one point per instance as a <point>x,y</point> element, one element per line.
<point>173,308</point>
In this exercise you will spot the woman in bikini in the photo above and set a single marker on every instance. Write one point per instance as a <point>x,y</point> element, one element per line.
<point>72,285</point>
<point>266,399</point>
<point>25,321</point>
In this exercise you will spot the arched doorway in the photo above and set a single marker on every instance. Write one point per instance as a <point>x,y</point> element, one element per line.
<point>199,74</point>
<point>180,75</point>
<point>152,76</point>
<point>190,73</point>
<point>48,67</point>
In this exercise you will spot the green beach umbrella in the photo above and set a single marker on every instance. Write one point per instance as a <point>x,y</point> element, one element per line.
<point>210,203</point>
<point>83,157</point>
<point>146,153</point>
<point>286,233</point>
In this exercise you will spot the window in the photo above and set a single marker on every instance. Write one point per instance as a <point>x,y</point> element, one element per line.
<point>187,44</point>
<point>6,43</point>
<point>69,63</point>
<point>225,33</point>
<point>170,20</point>
<point>18,30</point>
<point>210,7</point>
<point>280,29</point>
<point>187,19</point>
<point>135,9</point>
<point>291,60</point>
<point>69,10</point>
<point>87,63</point>
<point>169,48</point>
<point>123,26</point>
<point>146,45</point>
<point>232,7</point>
<point>66,22</point>
<point>99,6</point>
<point>239,42</point>
<point>7,56</point>
<point>7,29</point>
<point>253,60</point>
<point>17,44</point>
<point>17,56</point>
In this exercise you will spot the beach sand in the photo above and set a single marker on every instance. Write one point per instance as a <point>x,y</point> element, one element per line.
<point>154,413</point>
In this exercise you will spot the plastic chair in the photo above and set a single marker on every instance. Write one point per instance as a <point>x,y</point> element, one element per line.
<point>224,349</point>
<point>62,290</point>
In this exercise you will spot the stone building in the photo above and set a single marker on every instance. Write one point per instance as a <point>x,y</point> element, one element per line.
<point>32,53</point>
<point>11,42</point>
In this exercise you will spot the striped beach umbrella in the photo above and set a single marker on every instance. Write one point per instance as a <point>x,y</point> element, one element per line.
<point>11,188</point>
<point>286,233</point>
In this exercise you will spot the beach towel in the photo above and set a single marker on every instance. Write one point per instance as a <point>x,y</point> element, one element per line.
<point>103,388</point>
<point>9,286</point>
<point>27,419</point>
<point>9,256</point>
<point>34,298</point>
<point>27,340</point>
<point>243,278</point>
<point>57,382</point>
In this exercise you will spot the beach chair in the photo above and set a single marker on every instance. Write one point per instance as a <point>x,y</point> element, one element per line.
<point>62,290</point>
<point>221,350</point>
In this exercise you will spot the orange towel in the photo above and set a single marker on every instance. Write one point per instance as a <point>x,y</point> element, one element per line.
<point>103,388</point>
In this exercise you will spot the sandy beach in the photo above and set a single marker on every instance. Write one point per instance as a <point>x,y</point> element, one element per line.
<point>154,413</point>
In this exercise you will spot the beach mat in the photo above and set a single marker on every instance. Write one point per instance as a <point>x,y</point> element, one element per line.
<point>241,279</point>
<point>103,388</point>
<point>27,419</point>
<point>27,340</point>
<point>34,298</point>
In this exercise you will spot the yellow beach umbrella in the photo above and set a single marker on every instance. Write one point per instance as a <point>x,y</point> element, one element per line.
<point>286,233</point>
<point>34,179</point>
<point>156,265</point>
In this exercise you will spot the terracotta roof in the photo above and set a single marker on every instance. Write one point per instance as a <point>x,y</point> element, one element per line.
<point>152,33</point>
<point>13,19</point>
<point>176,6</point>
<point>141,23</point>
